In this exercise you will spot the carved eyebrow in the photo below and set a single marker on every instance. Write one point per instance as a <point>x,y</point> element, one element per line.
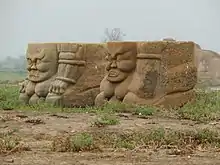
<point>122,52</point>
<point>126,55</point>
<point>40,55</point>
<point>28,59</point>
<point>119,53</point>
<point>108,57</point>
<point>35,56</point>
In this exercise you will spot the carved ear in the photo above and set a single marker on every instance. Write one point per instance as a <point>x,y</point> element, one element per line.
<point>80,52</point>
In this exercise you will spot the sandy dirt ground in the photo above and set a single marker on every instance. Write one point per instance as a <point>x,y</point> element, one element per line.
<point>50,125</point>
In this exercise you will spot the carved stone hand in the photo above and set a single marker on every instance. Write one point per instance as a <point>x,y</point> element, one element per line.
<point>23,86</point>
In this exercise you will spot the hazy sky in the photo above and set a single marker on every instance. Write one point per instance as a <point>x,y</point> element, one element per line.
<point>24,21</point>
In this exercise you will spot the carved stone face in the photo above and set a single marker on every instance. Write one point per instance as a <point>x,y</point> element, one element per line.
<point>41,65</point>
<point>121,61</point>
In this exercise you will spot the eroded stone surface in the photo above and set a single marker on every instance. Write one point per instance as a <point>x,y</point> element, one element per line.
<point>81,69</point>
<point>208,67</point>
<point>66,74</point>
<point>120,68</point>
<point>42,61</point>
<point>159,73</point>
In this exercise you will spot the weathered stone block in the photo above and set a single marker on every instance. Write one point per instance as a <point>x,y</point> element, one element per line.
<point>161,73</point>
<point>208,67</point>
<point>67,74</point>
<point>81,69</point>
<point>158,73</point>
<point>42,65</point>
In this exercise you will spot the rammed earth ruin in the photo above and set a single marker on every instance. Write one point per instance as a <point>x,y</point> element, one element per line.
<point>161,73</point>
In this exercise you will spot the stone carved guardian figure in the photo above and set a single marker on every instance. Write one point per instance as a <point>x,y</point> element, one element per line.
<point>42,68</point>
<point>160,73</point>
<point>120,68</point>
<point>71,67</point>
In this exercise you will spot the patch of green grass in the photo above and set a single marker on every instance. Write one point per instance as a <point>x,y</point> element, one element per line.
<point>105,119</point>
<point>81,142</point>
<point>207,136</point>
<point>9,96</point>
<point>7,143</point>
<point>125,143</point>
<point>11,76</point>
<point>10,143</point>
<point>157,138</point>
<point>204,109</point>
<point>162,138</point>
<point>73,143</point>
<point>145,110</point>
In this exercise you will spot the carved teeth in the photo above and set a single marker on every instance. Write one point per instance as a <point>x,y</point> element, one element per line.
<point>113,74</point>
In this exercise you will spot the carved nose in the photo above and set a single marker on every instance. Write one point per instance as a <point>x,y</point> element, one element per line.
<point>33,66</point>
<point>113,64</point>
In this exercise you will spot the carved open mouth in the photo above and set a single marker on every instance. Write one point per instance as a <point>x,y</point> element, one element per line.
<point>34,74</point>
<point>113,73</point>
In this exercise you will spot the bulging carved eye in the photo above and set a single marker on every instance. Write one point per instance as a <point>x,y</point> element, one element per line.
<point>29,61</point>
<point>108,58</point>
<point>38,61</point>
